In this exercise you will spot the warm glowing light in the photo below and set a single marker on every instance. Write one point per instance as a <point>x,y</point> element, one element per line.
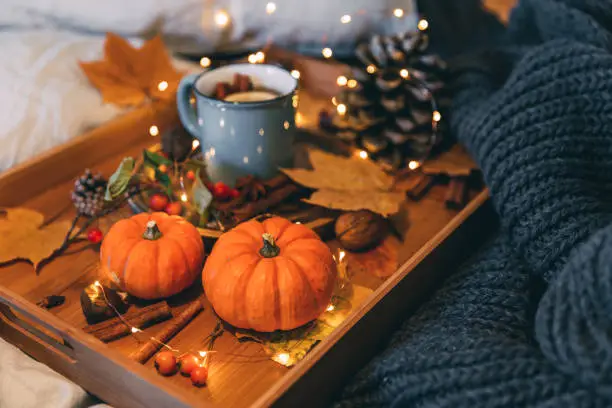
<point>221,18</point>
<point>184,197</point>
<point>296,74</point>
<point>413,165</point>
<point>299,119</point>
<point>423,25</point>
<point>162,86</point>
<point>286,125</point>
<point>270,7</point>
<point>298,222</point>
<point>154,130</point>
<point>205,62</point>
<point>351,83</point>
<point>260,56</point>
<point>363,154</point>
<point>252,59</point>
<point>195,144</point>
<point>335,101</point>
<point>437,116</point>
<point>371,69</point>
<point>97,284</point>
<point>136,330</point>
<point>398,12</point>
<point>283,358</point>
<point>341,256</point>
<point>341,108</point>
<point>330,308</point>
<point>245,159</point>
<point>203,354</point>
<point>327,52</point>
<point>295,101</point>
<point>345,19</point>
<point>404,73</point>
<point>341,80</point>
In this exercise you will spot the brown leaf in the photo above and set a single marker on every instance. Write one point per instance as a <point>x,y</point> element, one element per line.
<point>128,76</point>
<point>21,236</point>
<point>454,162</point>
<point>347,183</point>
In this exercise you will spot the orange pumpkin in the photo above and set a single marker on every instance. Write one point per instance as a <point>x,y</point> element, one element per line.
<point>152,256</point>
<point>270,275</point>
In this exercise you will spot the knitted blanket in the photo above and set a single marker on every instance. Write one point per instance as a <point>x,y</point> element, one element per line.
<point>528,322</point>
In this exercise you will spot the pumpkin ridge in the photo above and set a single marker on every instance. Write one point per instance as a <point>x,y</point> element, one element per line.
<point>277,308</point>
<point>128,250</point>
<point>305,279</point>
<point>184,255</point>
<point>242,286</point>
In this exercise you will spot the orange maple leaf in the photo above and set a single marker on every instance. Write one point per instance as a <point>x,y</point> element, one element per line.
<point>129,76</point>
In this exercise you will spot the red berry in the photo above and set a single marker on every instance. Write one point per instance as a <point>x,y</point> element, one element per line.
<point>234,193</point>
<point>221,190</point>
<point>158,202</point>
<point>190,175</point>
<point>162,168</point>
<point>165,362</point>
<point>199,376</point>
<point>188,363</point>
<point>94,235</point>
<point>174,208</point>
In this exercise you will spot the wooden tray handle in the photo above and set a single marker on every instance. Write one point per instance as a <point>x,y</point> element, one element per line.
<point>24,317</point>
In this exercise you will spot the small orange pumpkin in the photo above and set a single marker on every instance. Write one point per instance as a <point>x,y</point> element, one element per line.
<point>270,275</point>
<point>152,256</point>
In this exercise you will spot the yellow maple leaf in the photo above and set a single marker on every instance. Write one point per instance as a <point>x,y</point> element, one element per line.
<point>23,237</point>
<point>129,76</point>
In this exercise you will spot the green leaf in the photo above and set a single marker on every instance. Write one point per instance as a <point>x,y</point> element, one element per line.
<point>119,181</point>
<point>154,159</point>
<point>201,198</point>
<point>195,165</point>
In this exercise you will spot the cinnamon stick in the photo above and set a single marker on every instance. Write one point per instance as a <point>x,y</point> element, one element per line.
<point>270,185</point>
<point>420,187</point>
<point>115,328</point>
<point>457,193</point>
<point>262,205</point>
<point>154,344</point>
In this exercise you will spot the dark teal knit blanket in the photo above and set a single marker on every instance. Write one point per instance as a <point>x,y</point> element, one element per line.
<point>528,322</point>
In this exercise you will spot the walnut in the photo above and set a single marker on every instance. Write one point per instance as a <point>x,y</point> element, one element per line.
<point>360,230</point>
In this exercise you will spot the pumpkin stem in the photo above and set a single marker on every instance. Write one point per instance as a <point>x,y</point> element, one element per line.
<point>152,232</point>
<point>269,249</point>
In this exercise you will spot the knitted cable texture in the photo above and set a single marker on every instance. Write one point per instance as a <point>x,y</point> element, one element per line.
<point>541,130</point>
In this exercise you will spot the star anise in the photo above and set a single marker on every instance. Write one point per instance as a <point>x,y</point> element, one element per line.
<point>251,187</point>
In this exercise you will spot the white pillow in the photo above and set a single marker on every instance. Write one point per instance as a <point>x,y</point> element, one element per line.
<point>190,25</point>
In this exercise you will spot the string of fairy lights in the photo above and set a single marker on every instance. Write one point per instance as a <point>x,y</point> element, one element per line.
<point>222,19</point>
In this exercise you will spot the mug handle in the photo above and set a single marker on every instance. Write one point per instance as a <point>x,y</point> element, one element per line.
<point>186,112</point>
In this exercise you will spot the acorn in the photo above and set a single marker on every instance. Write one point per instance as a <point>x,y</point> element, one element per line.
<point>360,230</point>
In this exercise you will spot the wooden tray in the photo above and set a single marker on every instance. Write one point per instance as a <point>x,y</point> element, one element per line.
<point>401,275</point>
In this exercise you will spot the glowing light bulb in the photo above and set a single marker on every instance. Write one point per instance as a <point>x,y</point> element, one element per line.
<point>341,108</point>
<point>351,83</point>
<point>270,7</point>
<point>205,62</point>
<point>341,256</point>
<point>203,353</point>
<point>413,165</point>
<point>154,130</point>
<point>252,59</point>
<point>345,19</point>
<point>286,125</point>
<point>437,116</point>
<point>221,18</point>
<point>404,73</point>
<point>330,308</point>
<point>327,52</point>
<point>283,358</point>
<point>299,119</point>
<point>260,56</point>
<point>342,80</point>
<point>97,284</point>
<point>136,330</point>
<point>296,74</point>
<point>195,144</point>
<point>184,197</point>
<point>398,12</point>
<point>423,25</point>
<point>162,86</point>
<point>335,101</point>
<point>364,155</point>
<point>371,69</point>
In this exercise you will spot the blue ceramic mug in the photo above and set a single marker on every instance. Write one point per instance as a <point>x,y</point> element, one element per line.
<point>245,137</point>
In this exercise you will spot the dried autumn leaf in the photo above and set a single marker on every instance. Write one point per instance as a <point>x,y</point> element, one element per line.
<point>454,162</point>
<point>128,76</point>
<point>347,184</point>
<point>22,237</point>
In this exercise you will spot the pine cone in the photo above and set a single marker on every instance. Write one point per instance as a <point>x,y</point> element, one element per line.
<point>88,193</point>
<point>390,99</point>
